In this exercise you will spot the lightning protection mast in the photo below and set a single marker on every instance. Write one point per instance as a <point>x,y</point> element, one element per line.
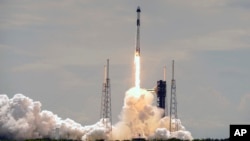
<point>106,115</point>
<point>173,104</point>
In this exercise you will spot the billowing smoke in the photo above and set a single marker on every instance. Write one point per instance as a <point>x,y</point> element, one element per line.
<point>22,118</point>
<point>141,119</point>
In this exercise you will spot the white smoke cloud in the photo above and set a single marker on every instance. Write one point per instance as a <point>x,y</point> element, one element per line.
<point>22,118</point>
<point>140,118</point>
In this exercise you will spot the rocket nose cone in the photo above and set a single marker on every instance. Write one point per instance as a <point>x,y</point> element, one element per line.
<point>138,9</point>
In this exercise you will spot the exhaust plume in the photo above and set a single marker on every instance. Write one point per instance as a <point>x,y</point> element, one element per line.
<point>137,72</point>
<point>22,118</point>
<point>140,118</point>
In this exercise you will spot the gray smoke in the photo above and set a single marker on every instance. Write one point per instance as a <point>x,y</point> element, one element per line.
<point>22,118</point>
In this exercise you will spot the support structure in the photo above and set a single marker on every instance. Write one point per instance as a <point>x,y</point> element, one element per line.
<point>161,95</point>
<point>106,114</point>
<point>165,79</point>
<point>161,92</point>
<point>173,104</point>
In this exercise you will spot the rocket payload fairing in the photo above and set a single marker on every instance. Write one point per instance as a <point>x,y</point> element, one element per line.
<point>137,49</point>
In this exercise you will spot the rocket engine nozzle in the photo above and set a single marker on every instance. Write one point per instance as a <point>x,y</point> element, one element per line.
<point>137,52</point>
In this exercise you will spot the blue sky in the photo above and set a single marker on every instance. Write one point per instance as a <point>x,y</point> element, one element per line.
<point>54,52</point>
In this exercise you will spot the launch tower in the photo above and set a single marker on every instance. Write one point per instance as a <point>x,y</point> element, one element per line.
<point>161,92</point>
<point>106,115</point>
<point>173,104</point>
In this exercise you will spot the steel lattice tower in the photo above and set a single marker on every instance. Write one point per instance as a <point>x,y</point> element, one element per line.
<point>106,114</point>
<point>173,104</point>
<point>165,79</point>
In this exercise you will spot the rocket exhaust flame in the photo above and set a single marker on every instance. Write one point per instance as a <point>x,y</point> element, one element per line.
<point>137,72</point>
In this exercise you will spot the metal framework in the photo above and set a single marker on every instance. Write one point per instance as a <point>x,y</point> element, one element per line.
<point>173,104</point>
<point>106,114</point>
<point>161,91</point>
<point>161,95</point>
<point>165,79</point>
